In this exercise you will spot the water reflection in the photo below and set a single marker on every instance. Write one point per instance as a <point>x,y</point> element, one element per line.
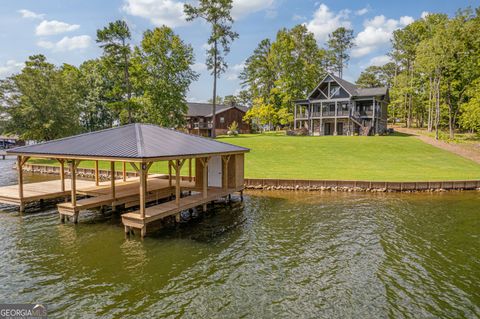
<point>314,255</point>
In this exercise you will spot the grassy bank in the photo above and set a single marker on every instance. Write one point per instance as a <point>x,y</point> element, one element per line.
<point>376,158</point>
<point>392,158</point>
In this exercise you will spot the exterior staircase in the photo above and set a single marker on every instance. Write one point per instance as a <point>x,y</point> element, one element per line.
<point>364,129</point>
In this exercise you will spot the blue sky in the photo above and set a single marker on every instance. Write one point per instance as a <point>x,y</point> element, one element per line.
<point>65,30</point>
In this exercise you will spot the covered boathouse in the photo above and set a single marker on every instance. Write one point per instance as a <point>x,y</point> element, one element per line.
<point>218,172</point>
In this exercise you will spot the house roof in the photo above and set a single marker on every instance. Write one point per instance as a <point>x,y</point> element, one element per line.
<point>133,141</point>
<point>349,87</point>
<point>205,109</point>
<point>353,89</point>
<point>371,91</point>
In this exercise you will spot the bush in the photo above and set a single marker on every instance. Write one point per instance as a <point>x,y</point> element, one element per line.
<point>233,129</point>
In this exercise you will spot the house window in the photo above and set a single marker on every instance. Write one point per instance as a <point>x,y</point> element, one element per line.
<point>222,120</point>
<point>334,91</point>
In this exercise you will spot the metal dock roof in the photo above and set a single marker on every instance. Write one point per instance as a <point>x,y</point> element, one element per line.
<point>133,141</point>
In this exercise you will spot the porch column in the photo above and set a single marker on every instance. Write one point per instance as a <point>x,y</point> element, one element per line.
<point>335,125</point>
<point>295,117</point>
<point>321,119</point>
<point>310,106</point>
<point>97,177</point>
<point>373,124</point>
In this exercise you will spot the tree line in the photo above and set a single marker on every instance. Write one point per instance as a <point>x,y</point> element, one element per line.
<point>287,69</point>
<point>434,76</point>
<point>129,83</point>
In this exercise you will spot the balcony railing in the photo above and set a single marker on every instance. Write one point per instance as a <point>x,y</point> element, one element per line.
<point>202,125</point>
<point>329,113</point>
<point>366,113</point>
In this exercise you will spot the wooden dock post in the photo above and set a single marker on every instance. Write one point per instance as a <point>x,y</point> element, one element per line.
<point>73,172</point>
<point>124,171</point>
<point>143,172</point>
<point>20,182</point>
<point>62,173</point>
<point>112,183</point>
<point>97,177</point>
<point>177,182</point>
<point>189,169</point>
<point>225,160</point>
<point>204,162</point>
<point>170,173</point>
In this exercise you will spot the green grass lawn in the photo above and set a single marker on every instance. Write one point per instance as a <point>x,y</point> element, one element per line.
<point>375,158</point>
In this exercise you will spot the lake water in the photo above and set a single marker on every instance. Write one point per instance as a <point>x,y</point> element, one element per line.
<point>276,255</point>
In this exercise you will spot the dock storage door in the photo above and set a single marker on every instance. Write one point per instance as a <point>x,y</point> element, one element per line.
<point>215,172</point>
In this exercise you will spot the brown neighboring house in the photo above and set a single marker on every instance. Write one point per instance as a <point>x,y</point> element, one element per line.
<point>199,118</point>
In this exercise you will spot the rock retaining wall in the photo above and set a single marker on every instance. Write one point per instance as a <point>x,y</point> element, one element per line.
<point>299,184</point>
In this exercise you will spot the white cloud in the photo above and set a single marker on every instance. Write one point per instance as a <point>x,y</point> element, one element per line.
<point>234,71</point>
<point>297,17</point>
<point>377,32</point>
<point>425,14</point>
<point>159,12</point>
<point>67,43</point>
<point>11,66</point>
<point>362,11</point>
<point>380,60</point>
<point>325,22</point>
<point>54,27</point>
<point>30,14</point>
<point>241,8</point>
<point>199,67</point>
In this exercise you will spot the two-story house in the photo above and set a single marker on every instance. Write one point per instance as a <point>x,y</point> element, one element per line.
<point>199,118</point>
<point>338,107</point>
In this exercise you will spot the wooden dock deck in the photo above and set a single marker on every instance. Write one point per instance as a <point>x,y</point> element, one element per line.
<point>160,211</point>
<point>126,193</point>
<point>39,191</point>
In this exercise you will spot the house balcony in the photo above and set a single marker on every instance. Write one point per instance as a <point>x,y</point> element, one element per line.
<point>202,125</point>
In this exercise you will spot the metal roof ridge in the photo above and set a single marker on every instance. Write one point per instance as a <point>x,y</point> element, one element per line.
<point>140,141</point>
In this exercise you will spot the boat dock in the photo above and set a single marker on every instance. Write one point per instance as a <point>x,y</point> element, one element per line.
<point>215,171</point>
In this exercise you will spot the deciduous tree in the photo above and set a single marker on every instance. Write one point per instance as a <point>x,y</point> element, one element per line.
<point>217,14</point>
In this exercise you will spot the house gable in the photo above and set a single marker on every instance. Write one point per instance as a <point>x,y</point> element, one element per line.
<point>329,89</point>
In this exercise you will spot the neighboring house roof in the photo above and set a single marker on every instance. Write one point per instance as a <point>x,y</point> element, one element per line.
<point>353,89</point>
<point>205,109</point>
<point>136,141</point>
